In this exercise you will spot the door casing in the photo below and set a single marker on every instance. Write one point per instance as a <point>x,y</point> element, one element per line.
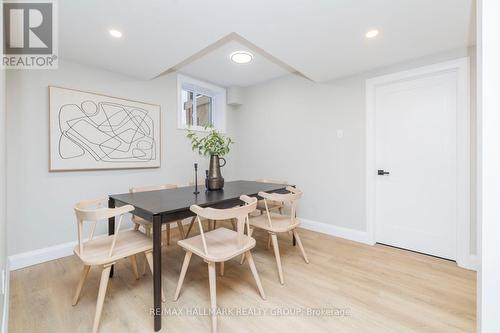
<point>461,67</point>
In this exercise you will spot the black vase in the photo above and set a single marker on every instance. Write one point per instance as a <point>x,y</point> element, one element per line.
<point>215,180</point>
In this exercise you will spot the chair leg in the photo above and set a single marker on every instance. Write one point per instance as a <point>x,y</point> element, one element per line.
<point>181,229</point>
<point>242,260</point>
<point>251,263</point>
<point>190,226</point>
<point>149,258</point>
<point>290,233</point>
<point>79,288</point>
<point>215,225</point>
<point>222,268</point>
<point>148,230</point>
<point>136,226</point>
<point>133,260</point>
<point>296,234</point>
<point>233,223</point>
<point>274,238</point>
<point>184,268</point>
<point>168,234</point>
<point>144,265</point>
<point>213,294</point>
<point>268,241</point>
<point>280,210</point>
<point>100,297</point>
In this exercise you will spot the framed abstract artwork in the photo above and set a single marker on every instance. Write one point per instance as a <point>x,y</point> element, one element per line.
<point>91,131</point>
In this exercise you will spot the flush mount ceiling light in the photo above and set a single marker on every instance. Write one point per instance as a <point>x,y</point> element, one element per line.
<point>241,57</point>
<point>115,33</point>
<point>372,33</point>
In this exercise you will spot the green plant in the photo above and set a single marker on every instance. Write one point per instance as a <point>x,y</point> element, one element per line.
<point>212,144</point>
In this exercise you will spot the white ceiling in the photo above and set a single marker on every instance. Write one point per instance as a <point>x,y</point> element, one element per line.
<point>215,65</point>
<point>321,39</point>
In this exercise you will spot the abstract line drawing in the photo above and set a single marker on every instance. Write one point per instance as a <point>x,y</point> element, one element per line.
<point>109,132</point>
<point>102,132</point>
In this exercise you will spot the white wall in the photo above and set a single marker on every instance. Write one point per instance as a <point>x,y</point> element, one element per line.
<point>39,202</point>
<point>3,237</point>
<point>489,165</point>
<point>287,129</point>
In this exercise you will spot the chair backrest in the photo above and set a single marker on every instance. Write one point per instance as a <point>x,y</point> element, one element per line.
<point>93,211</point>
<point>148,189</point>
<point>270,181</point>
<point>152,188</point>
<point>292,198</point>
<point>239,213</point>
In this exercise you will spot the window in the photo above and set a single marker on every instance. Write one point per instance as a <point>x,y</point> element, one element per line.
<point>200,105</point>
<point>196,111</point>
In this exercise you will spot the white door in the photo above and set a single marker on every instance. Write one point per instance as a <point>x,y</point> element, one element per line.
<point>416,142</point>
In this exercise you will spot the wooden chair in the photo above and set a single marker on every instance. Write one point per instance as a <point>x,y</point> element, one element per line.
<point>146,225</point>
<point>275,223</point>
<point>106,251</point>
<point>211,224</point>
<point>271,204</point>
<point>220,245</point>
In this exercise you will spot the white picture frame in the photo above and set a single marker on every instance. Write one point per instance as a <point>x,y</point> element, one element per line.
<point>90,131</point>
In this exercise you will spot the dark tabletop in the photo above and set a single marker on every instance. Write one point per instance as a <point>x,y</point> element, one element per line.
<point>181,198</point>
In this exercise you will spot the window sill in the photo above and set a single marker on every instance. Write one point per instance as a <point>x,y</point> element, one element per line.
<point>200,129</point>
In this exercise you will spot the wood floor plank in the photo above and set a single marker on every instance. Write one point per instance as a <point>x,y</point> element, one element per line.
<point>384,289</point>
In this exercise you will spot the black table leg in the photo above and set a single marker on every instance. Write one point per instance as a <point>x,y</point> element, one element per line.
<point>157,270</point>
<point>111,228</point>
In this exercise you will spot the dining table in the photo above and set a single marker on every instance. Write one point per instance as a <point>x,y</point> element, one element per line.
<point>171,205</point>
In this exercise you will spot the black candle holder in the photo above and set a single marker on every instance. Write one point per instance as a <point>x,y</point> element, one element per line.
<point>206,180</point>
<point>196,192</point>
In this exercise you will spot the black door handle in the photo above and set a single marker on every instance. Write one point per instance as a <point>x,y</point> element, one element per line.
<point>382,172</point>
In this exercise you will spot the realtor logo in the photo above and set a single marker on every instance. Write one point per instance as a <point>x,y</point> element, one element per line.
<point>29,36</point>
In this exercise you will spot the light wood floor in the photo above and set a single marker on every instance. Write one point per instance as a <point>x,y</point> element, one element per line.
<point>385,290</point>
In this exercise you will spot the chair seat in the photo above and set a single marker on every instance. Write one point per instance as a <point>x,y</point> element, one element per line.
<point>141,221</point>
<point>145,223</point>
<point>281,223</point>
<point>130,242</point>
<point>222,245</point>
<point>272,205</point>
<point>148,224</point>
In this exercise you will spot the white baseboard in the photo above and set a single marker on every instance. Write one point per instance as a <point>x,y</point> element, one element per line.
<point>333,230</point>
<point>471,262</point>
<point>54,252</point>
<point>39,256</point>
<point>6,299</point>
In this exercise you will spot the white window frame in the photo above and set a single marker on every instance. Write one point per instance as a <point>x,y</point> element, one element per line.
<point>218,95</point>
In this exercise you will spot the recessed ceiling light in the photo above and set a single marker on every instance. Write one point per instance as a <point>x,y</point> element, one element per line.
<point>115,33</point>
<point>372,33</point>
<point>241,57</point>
